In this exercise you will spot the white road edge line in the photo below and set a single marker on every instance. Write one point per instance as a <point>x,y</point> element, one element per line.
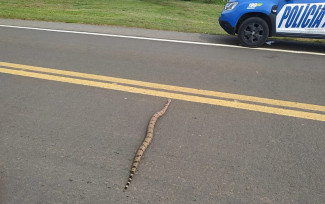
<point>162,40</point>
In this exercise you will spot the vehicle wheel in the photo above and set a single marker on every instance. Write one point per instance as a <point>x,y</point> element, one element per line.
<point>253,32</point>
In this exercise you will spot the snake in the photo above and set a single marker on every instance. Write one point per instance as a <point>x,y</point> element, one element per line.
<point>146,142</point>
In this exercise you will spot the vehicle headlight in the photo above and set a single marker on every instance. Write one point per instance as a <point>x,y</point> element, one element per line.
<point>230,6</point>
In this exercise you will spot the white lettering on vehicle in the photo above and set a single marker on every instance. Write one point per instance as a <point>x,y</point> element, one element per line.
<point>254,5</point>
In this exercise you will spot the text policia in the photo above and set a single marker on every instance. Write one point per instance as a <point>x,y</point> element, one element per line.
<point>302,16</point>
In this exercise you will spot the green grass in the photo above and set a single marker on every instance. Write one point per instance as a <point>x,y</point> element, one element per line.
<point>197,16</point>
<point>310,40</point>
<point>176,15</point>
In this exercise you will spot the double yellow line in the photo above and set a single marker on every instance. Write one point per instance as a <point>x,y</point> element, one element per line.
<point>265,105</point>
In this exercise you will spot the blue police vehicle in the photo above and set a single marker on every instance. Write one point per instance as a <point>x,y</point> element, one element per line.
<point>256,20</point>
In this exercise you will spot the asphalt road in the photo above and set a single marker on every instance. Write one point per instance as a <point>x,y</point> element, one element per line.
<point>69,141</point>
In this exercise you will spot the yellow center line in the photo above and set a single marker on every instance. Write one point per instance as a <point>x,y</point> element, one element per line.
<point>253,99</point>
<point>197,99</point>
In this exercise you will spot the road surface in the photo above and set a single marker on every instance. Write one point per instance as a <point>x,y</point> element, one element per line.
<point>244,125</point>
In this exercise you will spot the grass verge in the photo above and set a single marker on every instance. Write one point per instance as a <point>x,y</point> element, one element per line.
<point>175,15</point>
<point>196,16</point>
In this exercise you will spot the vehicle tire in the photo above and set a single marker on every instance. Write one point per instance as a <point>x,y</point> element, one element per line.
<point>253,32</point>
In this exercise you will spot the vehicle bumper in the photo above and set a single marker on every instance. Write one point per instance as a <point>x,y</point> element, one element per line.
<point>227,27</point>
